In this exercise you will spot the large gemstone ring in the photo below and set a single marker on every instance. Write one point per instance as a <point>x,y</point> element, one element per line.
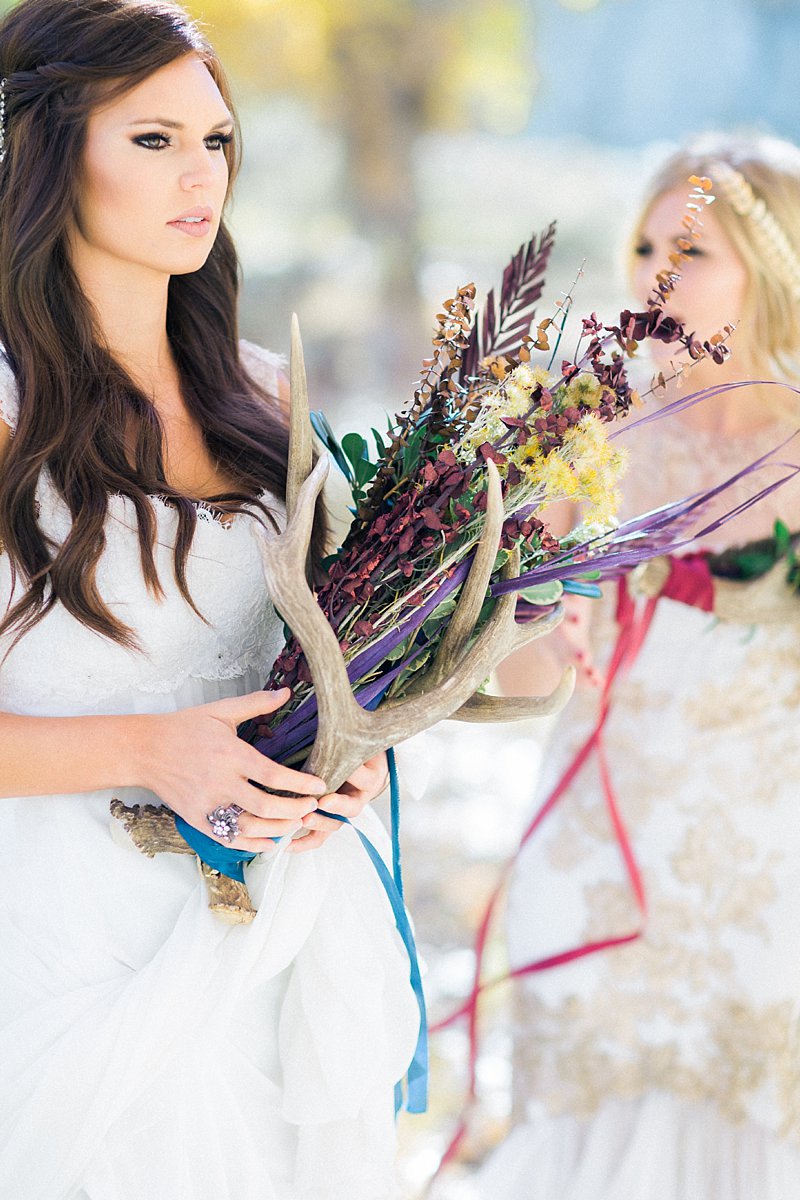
<point>224,822</point>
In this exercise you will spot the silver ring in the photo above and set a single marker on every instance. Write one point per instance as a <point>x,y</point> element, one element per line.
<point>224,822</point>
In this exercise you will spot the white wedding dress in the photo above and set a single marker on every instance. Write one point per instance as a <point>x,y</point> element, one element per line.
<point>668,1068</point>
<point>147,1049</point>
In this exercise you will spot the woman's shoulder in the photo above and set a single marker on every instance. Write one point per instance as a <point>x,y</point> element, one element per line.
<point>264,366</point>
<point>9,400</point>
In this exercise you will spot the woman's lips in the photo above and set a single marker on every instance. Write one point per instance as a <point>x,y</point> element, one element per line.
<point>193,228</point>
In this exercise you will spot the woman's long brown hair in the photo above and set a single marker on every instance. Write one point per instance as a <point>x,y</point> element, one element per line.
<point>78,408</point>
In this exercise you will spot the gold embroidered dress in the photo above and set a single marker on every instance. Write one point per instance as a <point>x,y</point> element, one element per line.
<point>669,1067</point>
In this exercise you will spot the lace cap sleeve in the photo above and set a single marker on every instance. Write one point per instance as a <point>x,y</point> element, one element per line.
<point>9,401</point>
<point>263,365</point>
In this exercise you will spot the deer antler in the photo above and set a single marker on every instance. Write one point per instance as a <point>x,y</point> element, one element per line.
<point>347,734</point>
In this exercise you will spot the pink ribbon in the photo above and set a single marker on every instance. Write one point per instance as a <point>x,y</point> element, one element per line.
<point>634,624</point>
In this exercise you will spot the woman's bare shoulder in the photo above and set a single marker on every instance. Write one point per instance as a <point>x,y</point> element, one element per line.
<point>9,404</point>
<point>264,366</point>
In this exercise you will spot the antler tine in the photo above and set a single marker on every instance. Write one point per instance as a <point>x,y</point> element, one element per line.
<point>498,638</point>
<point>285,560</point>
<point>473,593</point>
<point>517,708</point>
<point>300,433</point>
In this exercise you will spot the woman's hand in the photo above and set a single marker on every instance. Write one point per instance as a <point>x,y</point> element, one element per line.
<point>194,761</point>
<point>367,782</point>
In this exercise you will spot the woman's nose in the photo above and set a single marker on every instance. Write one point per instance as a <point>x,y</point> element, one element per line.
<point>198,170</point>
<point>643,280</point>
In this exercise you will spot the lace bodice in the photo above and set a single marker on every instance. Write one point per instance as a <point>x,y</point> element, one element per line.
<point>60,667</point>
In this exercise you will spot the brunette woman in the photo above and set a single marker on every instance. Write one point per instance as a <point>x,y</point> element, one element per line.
<point>145,1048</point>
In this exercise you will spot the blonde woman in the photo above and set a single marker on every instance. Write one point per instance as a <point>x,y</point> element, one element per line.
<point>668,1063</point>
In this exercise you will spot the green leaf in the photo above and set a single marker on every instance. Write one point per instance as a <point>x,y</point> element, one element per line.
<point>326,435</point>
<point>365,470</point>
<point>752,563</point>
<point>543,593</point>
<point>783,539</point>
<point>439,615</point>
<point>355,447</point>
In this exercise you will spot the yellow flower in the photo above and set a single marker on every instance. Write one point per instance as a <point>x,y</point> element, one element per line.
<point>527,459</point>
<point>555,476</point>
<point>585,389</point>
<point>518,400</point>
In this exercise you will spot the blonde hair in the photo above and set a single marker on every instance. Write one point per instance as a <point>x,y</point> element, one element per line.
<point>756,181</point>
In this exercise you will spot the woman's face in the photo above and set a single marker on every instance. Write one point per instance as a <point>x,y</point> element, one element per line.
<point>713,286</point>
<point>155,174</point>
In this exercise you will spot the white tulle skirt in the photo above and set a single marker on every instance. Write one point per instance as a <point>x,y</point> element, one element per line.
<point>147,1050</point>
<point>657,1147</point>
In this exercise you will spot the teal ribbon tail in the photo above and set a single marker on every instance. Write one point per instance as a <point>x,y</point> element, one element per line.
<point>220,858</point>
<point>417,1076</point>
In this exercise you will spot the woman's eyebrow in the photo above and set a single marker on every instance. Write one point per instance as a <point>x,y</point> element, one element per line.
<point>177,124</point>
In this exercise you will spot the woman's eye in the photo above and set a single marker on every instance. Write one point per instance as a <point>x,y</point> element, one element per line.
<point>152,141</point>
<point>693,252</point>
<point>218,140</point>
<point>643,249</point>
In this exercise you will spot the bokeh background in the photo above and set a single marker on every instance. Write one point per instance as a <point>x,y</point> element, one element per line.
<point>395,149</point>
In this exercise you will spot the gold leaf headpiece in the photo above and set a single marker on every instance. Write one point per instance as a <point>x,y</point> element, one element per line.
<point>768,233</point>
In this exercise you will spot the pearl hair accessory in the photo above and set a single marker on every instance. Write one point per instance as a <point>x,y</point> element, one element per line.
<point>2,119</point>
<point>769,234</point>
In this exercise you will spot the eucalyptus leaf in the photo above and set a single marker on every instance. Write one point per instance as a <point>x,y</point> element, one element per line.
<point>543,593</point>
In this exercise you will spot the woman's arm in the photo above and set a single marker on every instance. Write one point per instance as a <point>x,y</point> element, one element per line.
<point>192,759</point>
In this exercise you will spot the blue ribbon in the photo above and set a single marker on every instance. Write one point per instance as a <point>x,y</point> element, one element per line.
<point>221,858</point>
<point>582,589</point>
<point>231,862</point>
<point>417,1076</point>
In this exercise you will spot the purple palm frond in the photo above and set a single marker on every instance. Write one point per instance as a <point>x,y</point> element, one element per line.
<point>505,322</point>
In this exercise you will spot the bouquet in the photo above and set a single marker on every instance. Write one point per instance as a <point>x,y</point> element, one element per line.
<point>448,511</point>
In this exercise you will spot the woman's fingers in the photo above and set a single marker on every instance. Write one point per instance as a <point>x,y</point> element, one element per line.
<point>254,829</point>
<point>269,807</point>
<point>236,709</point>
<point>319,823</point>
<point>345,802</point>
<point>372,776</point>
<point>311,841</point>
<point>274,775</point>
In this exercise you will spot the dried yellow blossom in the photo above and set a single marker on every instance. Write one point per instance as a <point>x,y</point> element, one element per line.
<point>585,389</point>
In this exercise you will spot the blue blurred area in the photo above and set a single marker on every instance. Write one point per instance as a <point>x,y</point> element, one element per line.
<point>627,72</point>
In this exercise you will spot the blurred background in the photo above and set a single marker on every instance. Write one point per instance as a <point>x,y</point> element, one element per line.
<point>396,150</point>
